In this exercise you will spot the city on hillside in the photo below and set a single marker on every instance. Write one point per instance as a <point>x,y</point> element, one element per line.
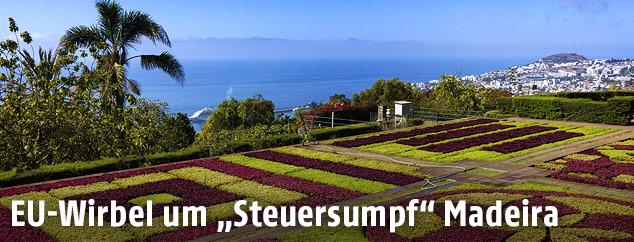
<point>566,72</point>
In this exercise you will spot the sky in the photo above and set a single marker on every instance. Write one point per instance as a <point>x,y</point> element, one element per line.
<point>273,28</point>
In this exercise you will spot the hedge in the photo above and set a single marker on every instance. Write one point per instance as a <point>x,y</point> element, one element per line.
<point>66,170</point>
<point>498,114</point>
<point>618,110</point>
<point>595,96</point>
<point>60,171</point>
<point>505,105</point>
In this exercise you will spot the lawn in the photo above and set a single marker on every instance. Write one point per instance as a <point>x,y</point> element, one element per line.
<point>582,217</point>
<point>480,139</point>
<point>285,176</point>
<point>610,165</point>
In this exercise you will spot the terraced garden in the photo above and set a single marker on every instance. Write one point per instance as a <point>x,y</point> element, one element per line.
<point>276,177</point>
<point>582,217</point>
<point>366,172</point>
<point>610,165</point>
<point>478,139</point>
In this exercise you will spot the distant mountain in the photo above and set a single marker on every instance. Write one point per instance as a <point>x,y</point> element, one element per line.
<point>563,58</point>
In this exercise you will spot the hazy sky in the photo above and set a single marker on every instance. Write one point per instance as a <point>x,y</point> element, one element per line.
<point>596,28</point>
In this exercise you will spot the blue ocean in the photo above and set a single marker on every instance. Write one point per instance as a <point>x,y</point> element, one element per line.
<point>296,81</point>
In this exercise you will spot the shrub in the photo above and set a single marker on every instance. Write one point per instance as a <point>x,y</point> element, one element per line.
<point>621,110</point>
<point>59,171</point>
<point>596,96</point>
<point>342,131</point>
<point>505,105</point>
<point>617,110</point>
<point>498,114</point>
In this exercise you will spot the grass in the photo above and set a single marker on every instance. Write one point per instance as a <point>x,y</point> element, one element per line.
<point>343,181</point>
<point>586,188</point>
<point>488,172</point>
<point>161,198</point>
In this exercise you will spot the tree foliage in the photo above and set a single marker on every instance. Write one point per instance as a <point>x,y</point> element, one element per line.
<point>152,129</point>
<point>456,94</point>
<point>116,33</point>
<point>337,99</point>
<point>385,92</point>
<point>232,114</point>
<point>252,118</point>
<point>51,110</point>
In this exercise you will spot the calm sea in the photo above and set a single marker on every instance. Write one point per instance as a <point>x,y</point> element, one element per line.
<point>293,82</point>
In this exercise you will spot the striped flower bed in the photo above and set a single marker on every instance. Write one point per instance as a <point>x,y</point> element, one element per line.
<point>452,134</point>
<point>404,134</point>
<point>531,142</point>
<point>338,168</point>
<point>485,139</point>
<point>581,218</point>
<point>215,184</point>
<point>605,166</point>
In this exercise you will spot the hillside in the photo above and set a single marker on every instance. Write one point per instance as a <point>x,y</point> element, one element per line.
<point>563,57</point>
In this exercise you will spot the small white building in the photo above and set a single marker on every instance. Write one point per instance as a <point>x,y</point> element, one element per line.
<point>402,108</point>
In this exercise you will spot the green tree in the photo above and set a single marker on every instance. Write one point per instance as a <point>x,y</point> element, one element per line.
<point>115,34</point>
<point>178,133</point>
<point>232,114</point>
<point>456,94</point>
<point>48,109</point>
<point>338,99</point>
<point>488,97</point>
<point>152,129</point>
<point>256,110</point>
<point>385,92</point>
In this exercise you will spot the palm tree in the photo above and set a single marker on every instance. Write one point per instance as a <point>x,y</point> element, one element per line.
<point>116,32</point>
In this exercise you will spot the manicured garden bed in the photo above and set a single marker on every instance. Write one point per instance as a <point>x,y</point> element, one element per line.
<point>286,176</point>
<point>610,166</point>
<point>581,218</point>
<point>479,139</point>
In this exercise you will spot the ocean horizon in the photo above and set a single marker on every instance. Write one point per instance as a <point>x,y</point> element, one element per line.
<point>295,81</point>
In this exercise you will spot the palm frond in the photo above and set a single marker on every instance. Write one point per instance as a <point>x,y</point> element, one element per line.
<point>83,36</point>
<point>165,62</point>
<point>109,18</point>
<point>135,25</point>
<point>134,87</point>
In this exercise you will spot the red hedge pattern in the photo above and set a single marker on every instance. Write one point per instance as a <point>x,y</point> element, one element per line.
<point>339,168</point>
<point>452,134</point>
<point>404,134</point>
<point>485,139</point>
<point>191,193</point>
<point>457,233</point>
<point>604,168</point>
<point>318,193</point>
<point>25,233</point>
<point>531,142</point>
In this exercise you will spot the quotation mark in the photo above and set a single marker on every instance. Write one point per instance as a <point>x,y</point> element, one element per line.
<point>221,225</point>
<point>427,207</point>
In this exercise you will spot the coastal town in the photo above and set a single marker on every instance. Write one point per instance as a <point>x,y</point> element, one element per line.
<point>566,72</point>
